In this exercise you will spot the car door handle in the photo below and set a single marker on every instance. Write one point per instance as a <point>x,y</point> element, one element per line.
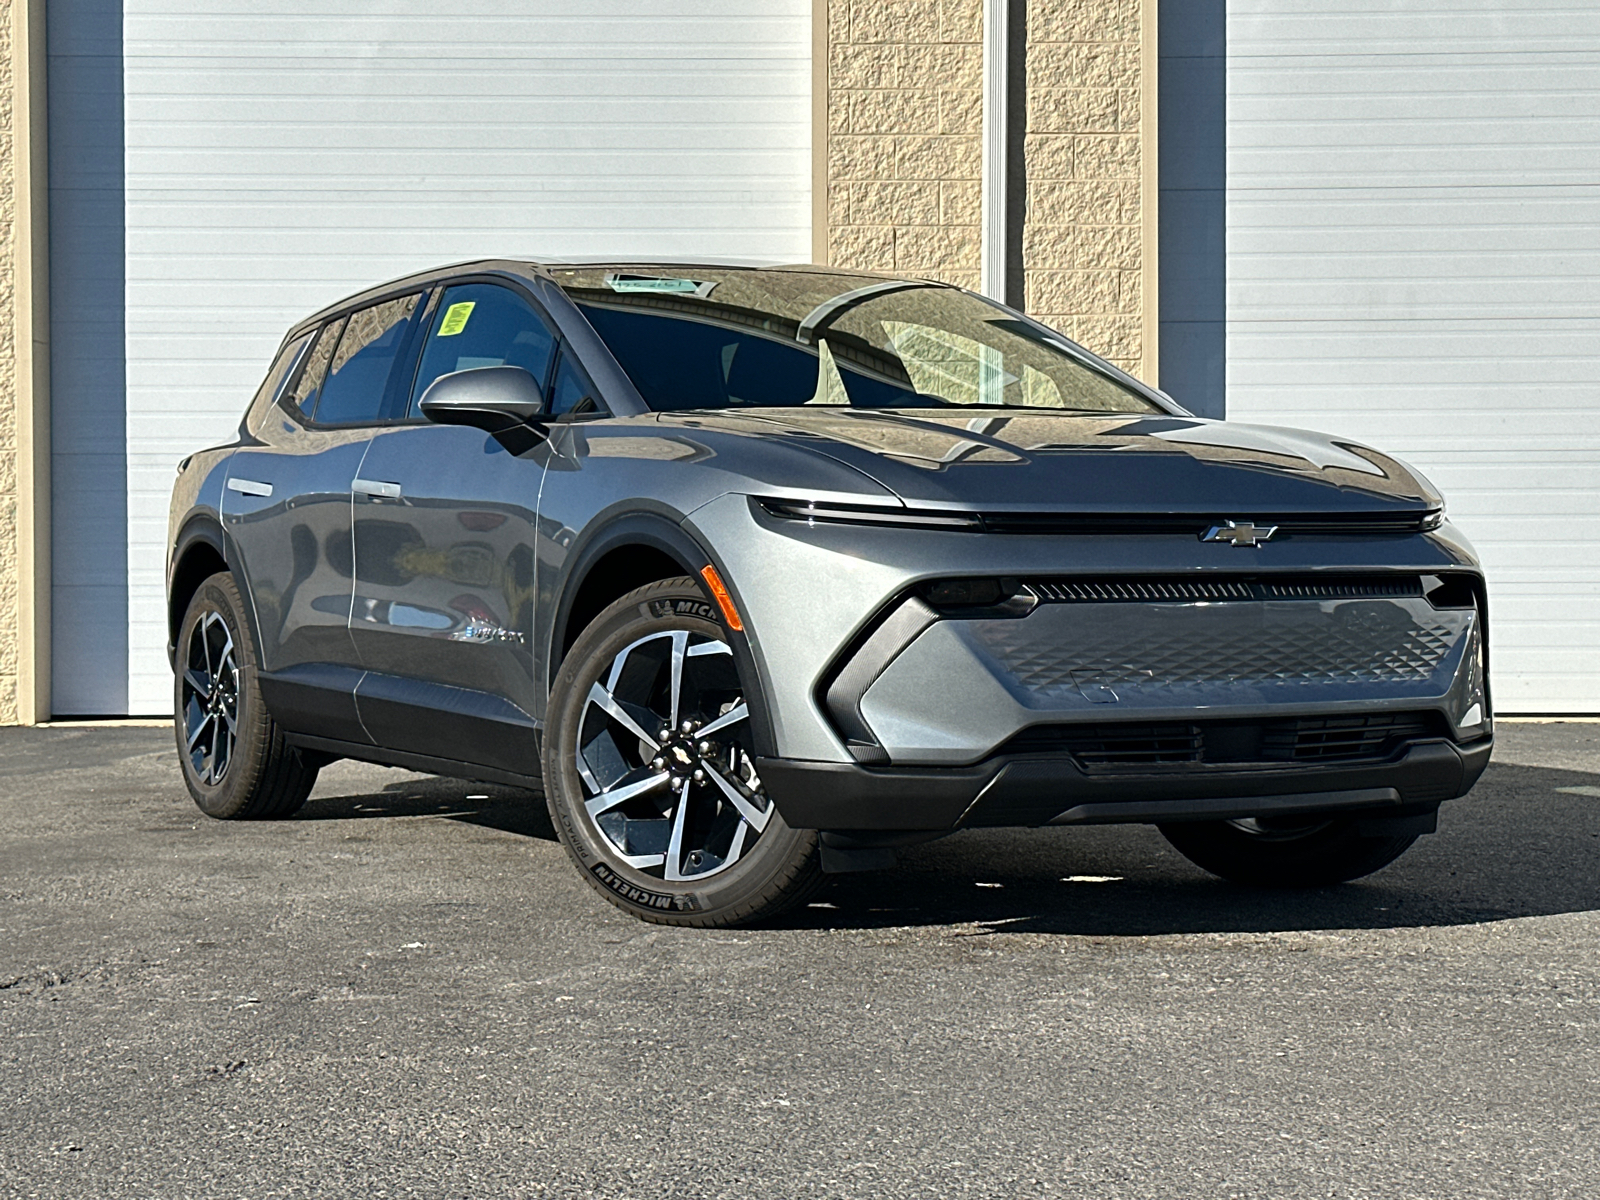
<point>248,487</point>
<point>376,487</point>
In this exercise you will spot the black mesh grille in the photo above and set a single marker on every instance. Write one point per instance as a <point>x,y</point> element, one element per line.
<point>1190,589</point>
<point>1339,589</point>
<point>1099,591</point>
<point>1176,743</point>
<point>1114,745</point>
<point>1317,739</point>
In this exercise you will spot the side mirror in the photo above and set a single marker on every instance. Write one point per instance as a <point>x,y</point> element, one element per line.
<point>494,399</point>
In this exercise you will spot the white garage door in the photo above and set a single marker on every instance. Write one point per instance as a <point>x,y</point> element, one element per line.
<point>285,153</point>
<point>1414,261</point>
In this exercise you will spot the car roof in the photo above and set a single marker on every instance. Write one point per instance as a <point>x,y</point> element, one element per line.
<point>535,267</point>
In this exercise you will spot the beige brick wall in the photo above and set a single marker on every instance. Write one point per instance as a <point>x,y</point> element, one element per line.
<point>1082,241</point>
<point>904,144</point>
<point>9,599</point>
<point>904,136</point>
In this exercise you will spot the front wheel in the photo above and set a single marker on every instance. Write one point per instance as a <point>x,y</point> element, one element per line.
<point>650,775</point>
<point>1284,852</point>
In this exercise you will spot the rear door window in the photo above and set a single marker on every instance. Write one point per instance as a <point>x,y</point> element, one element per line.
<point>483,325</point>
<point>359,373</point>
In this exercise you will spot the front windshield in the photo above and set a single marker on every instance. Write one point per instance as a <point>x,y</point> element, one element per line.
<point>742,338</point>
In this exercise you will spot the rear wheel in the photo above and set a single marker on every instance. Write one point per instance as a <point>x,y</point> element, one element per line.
<point>650,773</point>
<point>1302,851</point>
<point>235,760</point>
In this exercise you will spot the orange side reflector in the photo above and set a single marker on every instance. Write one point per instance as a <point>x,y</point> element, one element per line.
<point>724,601</point>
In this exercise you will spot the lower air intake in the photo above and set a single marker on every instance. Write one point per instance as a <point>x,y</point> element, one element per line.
<point>1175,744</point>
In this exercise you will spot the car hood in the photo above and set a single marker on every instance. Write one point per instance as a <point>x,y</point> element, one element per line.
<point>1071,462</point>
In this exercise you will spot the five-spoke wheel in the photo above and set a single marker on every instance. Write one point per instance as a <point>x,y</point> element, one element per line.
<point>650,768</point>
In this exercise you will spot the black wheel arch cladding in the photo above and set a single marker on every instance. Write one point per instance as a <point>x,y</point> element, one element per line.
<point>657,535</point>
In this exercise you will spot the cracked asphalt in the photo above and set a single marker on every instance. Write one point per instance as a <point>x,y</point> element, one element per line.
<point>406,990</point>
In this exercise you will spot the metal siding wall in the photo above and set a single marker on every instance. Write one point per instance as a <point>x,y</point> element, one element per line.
<point>284,155</point>
<point>1414,262</point>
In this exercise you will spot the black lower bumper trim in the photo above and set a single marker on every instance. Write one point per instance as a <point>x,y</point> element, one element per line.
<point>1221,808</point>
<point>1044,790</point>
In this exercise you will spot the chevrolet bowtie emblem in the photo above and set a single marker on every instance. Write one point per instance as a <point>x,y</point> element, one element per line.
<point>1240,533</point>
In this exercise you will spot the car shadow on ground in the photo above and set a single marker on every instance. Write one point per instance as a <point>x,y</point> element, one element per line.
<point>491,805</point>
<point>1518,846</point>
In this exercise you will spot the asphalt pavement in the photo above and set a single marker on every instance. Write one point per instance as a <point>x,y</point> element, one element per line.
<point>406,990</point>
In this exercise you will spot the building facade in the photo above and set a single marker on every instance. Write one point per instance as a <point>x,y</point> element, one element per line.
<point>1381,223</point>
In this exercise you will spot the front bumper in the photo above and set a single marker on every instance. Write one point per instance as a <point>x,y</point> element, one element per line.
<point>850,675</point>
<point>1034,790</point>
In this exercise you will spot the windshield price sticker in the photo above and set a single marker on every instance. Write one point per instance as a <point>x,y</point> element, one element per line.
<point>455,318</point>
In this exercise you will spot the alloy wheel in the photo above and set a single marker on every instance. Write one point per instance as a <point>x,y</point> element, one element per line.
<point>665,758</point>
<point>210,698</point>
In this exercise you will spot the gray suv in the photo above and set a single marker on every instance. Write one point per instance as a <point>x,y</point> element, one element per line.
<point>764,573</point>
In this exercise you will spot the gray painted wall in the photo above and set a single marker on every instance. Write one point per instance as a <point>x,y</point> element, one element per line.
<point>1192,130</point>
<point>88,429</point>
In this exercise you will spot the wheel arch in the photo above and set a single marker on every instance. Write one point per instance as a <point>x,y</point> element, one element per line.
<point>199,552</point>
<point>626,553</point>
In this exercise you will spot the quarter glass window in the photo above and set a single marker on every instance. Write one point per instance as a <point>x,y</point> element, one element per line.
<point>309,385</point>
<point>358,376</point>
<point>571,392</point>
<point>273,383</point>
<point>483,325</point>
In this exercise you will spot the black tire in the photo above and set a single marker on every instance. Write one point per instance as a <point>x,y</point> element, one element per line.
<point>1284,852</point>
<point>254,774</point>
<point>734,861</point>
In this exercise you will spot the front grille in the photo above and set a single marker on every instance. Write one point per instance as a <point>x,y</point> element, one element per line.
<point>1114,591</point>
<point>1103,747</point>
<point>1214,589</point>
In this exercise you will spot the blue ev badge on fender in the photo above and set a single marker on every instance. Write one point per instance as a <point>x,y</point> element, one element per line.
<point>1240,533</point>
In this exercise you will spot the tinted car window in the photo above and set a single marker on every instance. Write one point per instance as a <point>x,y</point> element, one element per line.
<point>483,325</point>
<point>270,386</point>
<point>358,376</point>
<point>678,363</point>
<point>309,385</point>
<point>714,337</point>
<point>571,392</point>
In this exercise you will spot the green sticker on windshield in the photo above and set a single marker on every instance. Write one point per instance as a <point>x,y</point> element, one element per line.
<point>455,318</point>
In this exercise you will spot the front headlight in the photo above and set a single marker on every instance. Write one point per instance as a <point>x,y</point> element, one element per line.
<point>850,514</point>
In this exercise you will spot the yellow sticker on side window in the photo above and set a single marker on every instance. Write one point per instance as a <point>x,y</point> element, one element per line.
<point>455,318</point>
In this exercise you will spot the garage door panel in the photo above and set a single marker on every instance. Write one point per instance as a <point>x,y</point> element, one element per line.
<point>261,161</point>
<point>1475,295</point>
<point>1414,262</point>
<point>1381,27</point>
